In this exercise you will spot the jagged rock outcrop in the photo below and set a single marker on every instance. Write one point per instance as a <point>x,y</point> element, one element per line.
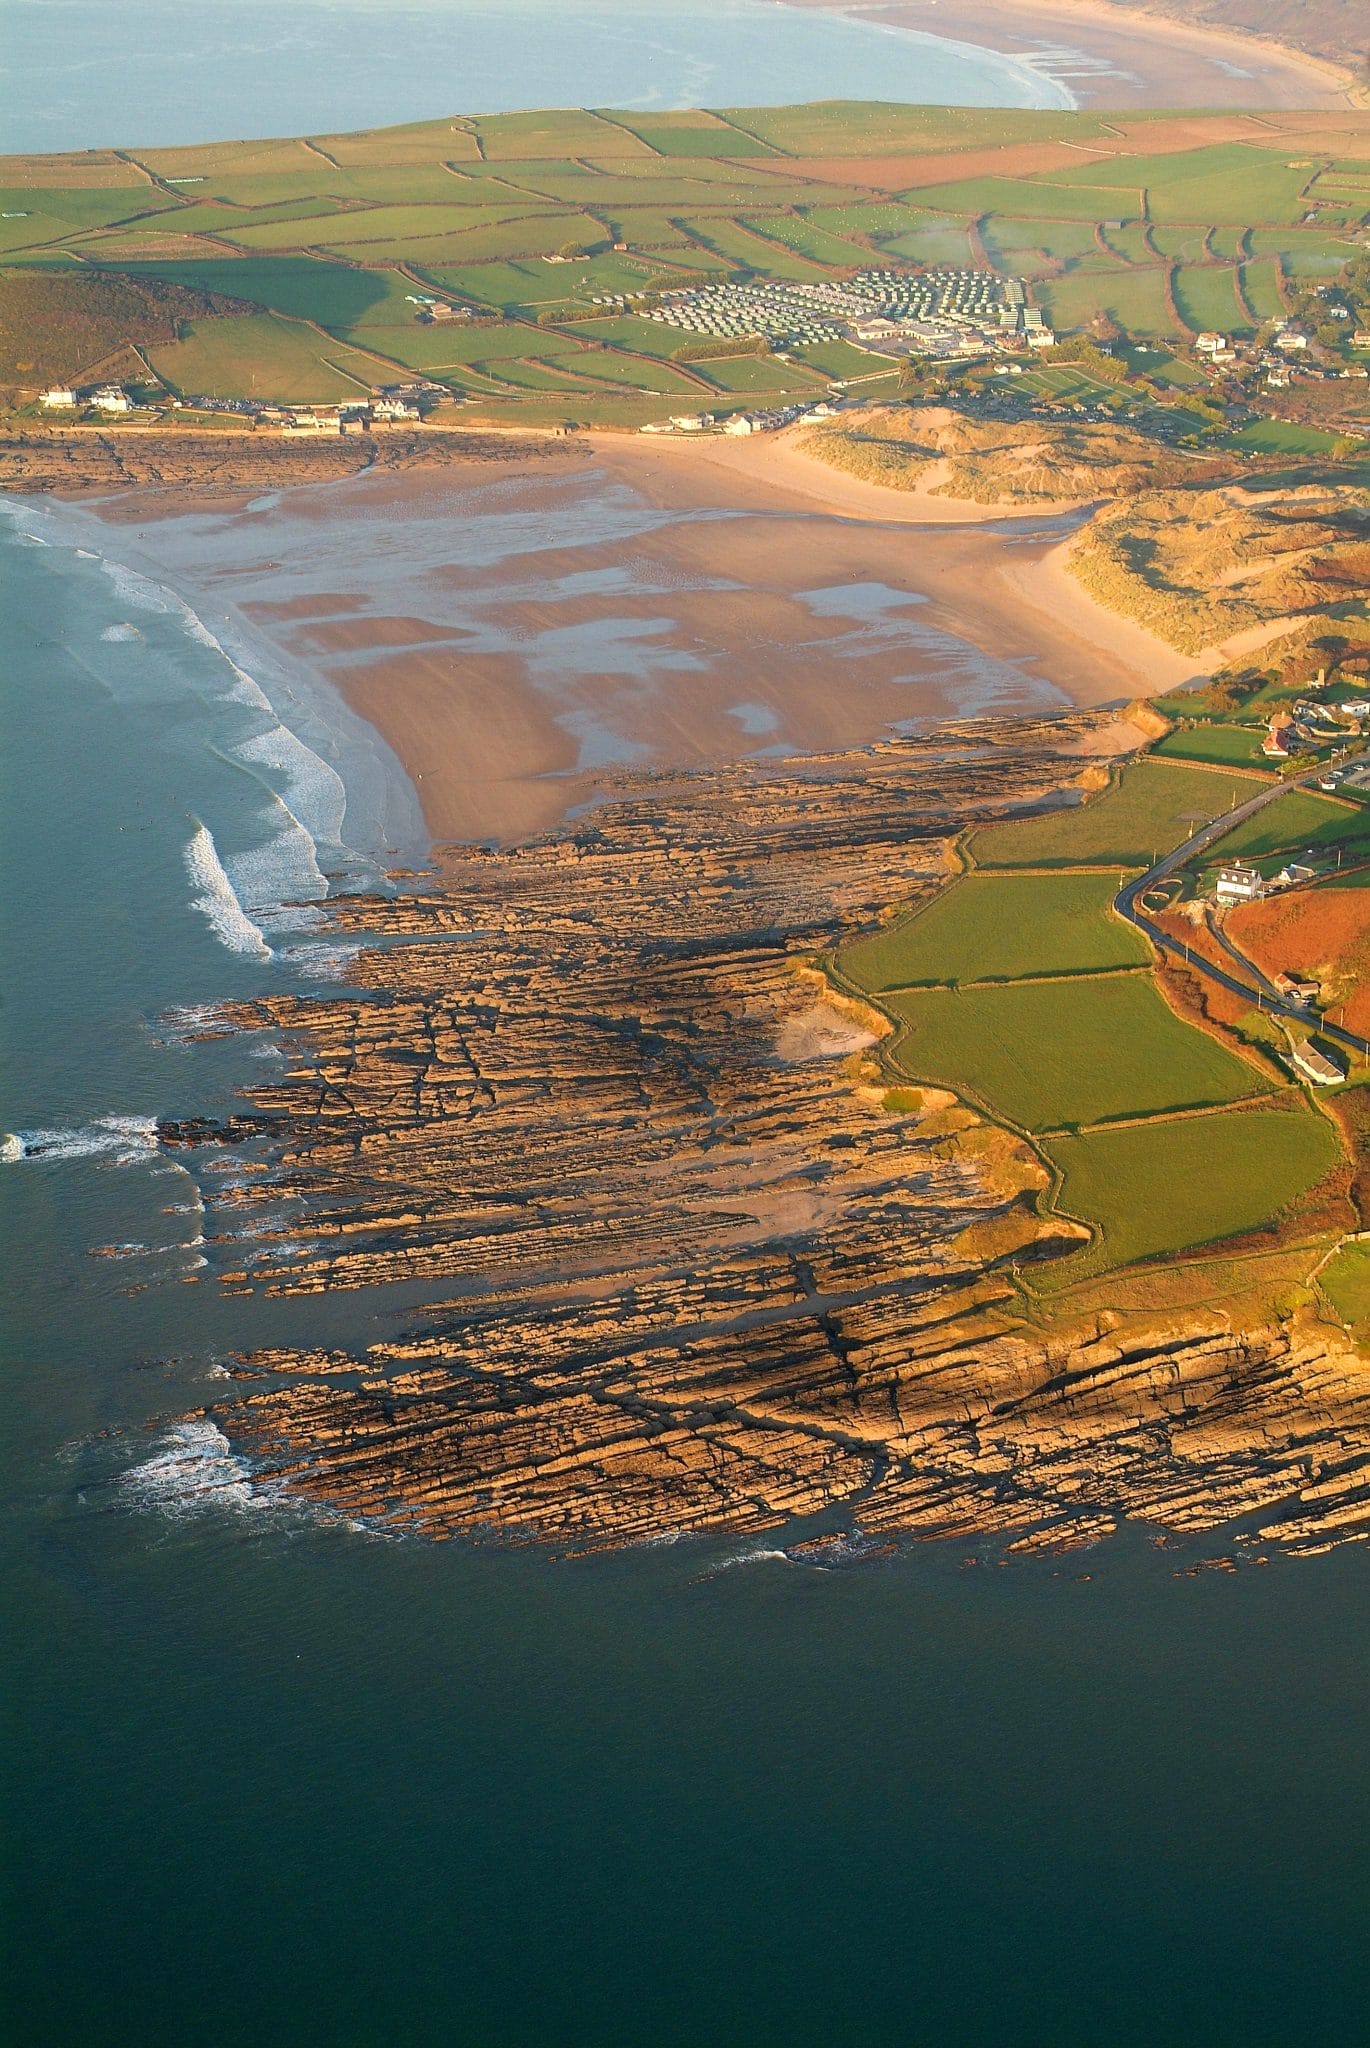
<point>684,1264</point>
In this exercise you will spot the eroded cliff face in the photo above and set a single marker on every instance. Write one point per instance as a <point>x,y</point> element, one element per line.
<point>688,1265</point>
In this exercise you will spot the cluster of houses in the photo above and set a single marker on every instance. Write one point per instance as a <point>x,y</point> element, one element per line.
<point>765,421</point>
<point>1304,725</point>
<point>1285,349</point>
<point>1242,883</point>
<point>394,405</point>
<point>891,312</point>
<point>105,398</point>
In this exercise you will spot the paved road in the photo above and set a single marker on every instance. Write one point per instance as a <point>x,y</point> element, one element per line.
<point>1257,989</point>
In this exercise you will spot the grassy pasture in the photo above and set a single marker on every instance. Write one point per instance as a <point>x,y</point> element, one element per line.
<point>370,224</point>
<point>564,132</point>
<point>840,360</point>
<point>939,242</point>
<point>1345,1280</point>
<point>691,132</point>
<point>1260,280</point>
<point>1136,299</point>
<point>1074,1050</point>
<point>1172,1184</point>
<point>1146,811</point>
<point>1297,820</point>
<point>1033,198</point>
<point>1206,295</point>
<point>1226,744</point>
<point>995,927</point>
<point>261,355</point>
<point>1014,244</point>
<point>1283,437</point>
<point>1301,252</point>
<point>731,239</point>
<point>76,207</point>
<point>805,238</point>
<point>885,127</point>
<point>303,288</point>
<point>760,376</point>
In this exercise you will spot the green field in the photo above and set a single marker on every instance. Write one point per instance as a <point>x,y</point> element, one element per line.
<point>1296,820</point>
<point>1224,744</point>
<point>1075,1050</point>
<point>332,228</point>
<point>293,361</point>
<point>1147,810</point>
<point>1345,1280</point>
<point>1172,1184</point>
<point>1206,295</point>
<point>996,927</point>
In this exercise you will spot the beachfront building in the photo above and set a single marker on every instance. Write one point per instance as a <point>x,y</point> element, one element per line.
<point>1239,884</point>
<point>110,398</point>
<point>60,395</point>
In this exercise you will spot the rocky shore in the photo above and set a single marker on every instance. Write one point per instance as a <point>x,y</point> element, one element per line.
<point>690,1264</point>
<point>39,459</point>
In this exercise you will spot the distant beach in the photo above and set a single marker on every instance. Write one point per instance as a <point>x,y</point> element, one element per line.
<point>1111,56</point>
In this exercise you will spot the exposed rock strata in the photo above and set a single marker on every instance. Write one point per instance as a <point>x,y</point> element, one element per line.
<point>39,458</point>
<point>697,1274</point>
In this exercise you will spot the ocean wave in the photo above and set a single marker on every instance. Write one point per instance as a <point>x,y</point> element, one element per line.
<point>123,1140</point>
<point>195,1468</point>
<point>121,632</point>
<point>313,795</point>
<point>274,878</point>
<point>218,901</point>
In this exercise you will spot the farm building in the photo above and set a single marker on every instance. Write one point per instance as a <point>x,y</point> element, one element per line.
<point>1315,1066</point>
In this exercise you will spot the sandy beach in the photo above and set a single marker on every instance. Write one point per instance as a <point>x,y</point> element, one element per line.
<point>1111,57</point>
<point>520,636</point>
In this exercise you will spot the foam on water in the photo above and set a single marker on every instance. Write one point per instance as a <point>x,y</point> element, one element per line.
<point>195,1468</point>
<point>121,632</point>
<point>122,1140</point>
<point>300,784</point>
<point>217,900</point>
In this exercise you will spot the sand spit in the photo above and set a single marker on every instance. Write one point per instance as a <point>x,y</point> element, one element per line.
<point>697,1276</point>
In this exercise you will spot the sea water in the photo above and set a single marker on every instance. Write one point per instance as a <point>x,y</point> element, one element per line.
<point>151,73</point>
<point>273,1777</point>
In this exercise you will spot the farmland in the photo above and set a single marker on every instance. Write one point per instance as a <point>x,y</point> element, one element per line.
<point>1148,809</point>
<point>987,928</point>
<point>1069,1050</point>
<point>1173,1182</point>
<point>543,214</point>
<point>1016,987</point>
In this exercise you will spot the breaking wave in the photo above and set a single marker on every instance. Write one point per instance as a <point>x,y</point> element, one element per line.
<point>123,1140</point>
<point>218,901</point>
<point>195,1468</point>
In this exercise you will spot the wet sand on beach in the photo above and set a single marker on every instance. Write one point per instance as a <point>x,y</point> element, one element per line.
<point>1110,56</point>
<point>518,638</point>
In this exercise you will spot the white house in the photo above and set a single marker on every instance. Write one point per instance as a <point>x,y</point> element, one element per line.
<point>60,395</point>
<point>111,398</point>
<point>1315,1066</point>
<point>1238,885</point>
